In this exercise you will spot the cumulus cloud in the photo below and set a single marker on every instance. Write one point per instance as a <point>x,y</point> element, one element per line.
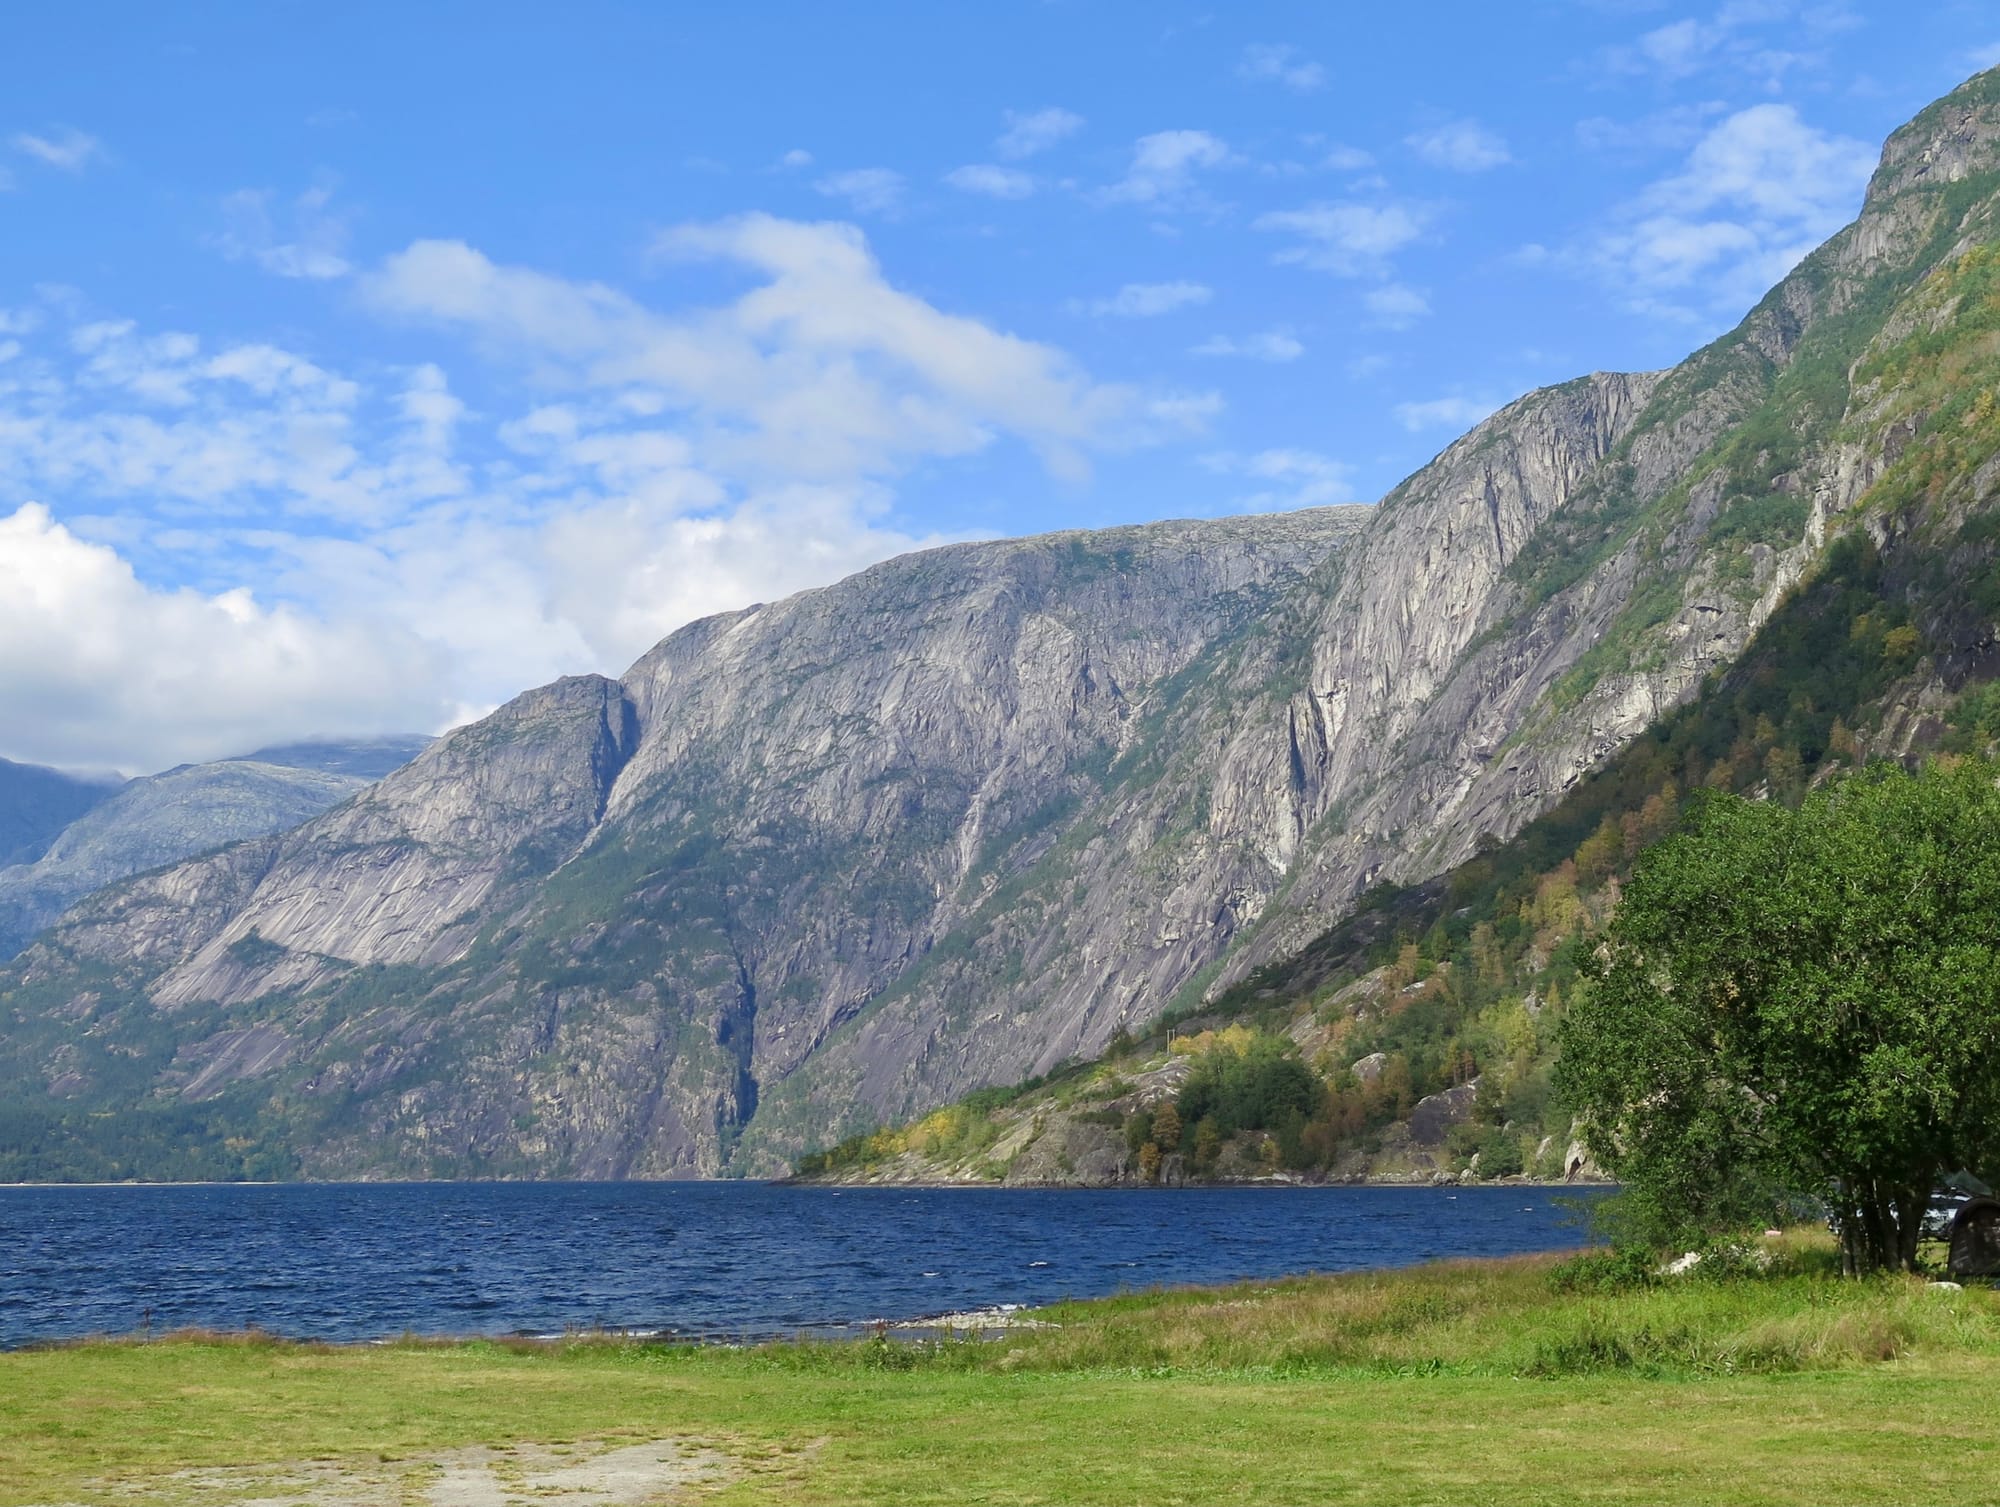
<point>1164,166</point>
<point>1444,413</point>
<point>867,190</point>
<point>303,238</point>
<point>1032,131</point>
<point>416,560</point>
<point>1148,300</point>
<point>65,148</point>
<point>1280,63</point>
<point>1283,478</point>
<point>1271,345</point>
<point>1349,240</point>
<point>97,668</point>
<point>796,158</point>
<point>1461,146</point>
<point>1760,190</point>
<point>993,182</point>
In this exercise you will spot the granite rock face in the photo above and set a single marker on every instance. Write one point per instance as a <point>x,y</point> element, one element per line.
<point>841,858</point>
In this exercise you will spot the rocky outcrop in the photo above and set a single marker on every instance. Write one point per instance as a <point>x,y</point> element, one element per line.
<point>838,859</point>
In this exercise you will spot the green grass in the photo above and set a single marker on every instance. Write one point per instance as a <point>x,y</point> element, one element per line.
<point>1485,1381</point>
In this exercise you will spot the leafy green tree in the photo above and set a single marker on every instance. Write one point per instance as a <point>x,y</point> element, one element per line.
<point>1167,1128</point>
<point>1801,1001</point>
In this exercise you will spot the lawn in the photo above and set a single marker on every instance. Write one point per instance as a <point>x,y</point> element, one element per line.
<point>1487,1381</point>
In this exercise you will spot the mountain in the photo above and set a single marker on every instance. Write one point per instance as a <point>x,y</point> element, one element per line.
<point>359,758</point>
<point>163,818</point>
<point>839,859</point>
<point>37,803</point>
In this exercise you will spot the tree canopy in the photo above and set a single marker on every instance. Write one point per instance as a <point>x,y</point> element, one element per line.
<point>1802,1001</point>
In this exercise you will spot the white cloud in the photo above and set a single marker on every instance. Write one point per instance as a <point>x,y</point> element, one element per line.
<point>65,148</point>
<point>310,243</point>
<point>1281,63</point>
<point>1462,146</point>
<point>1184,413</point>
<point>1148,300</point>
<point>1284,478</point>
<point>1983,58</point>
<point>1765,40</point>
<point>1271,345</point>
<point>1164,166</point>
<point>1757,193</point>
<point>1349,240</point>
<point>1396,306</point>
<point>1346,159</point>
<point>1444,413</point>
<point>796,158</point>
<point>1673,129</point>
<point>417,561</point>
<point>993,182</point>
<point>96,668</point>
<point>867,190</point>
<point>1032,131</point>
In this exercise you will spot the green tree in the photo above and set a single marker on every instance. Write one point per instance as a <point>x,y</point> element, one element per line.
<point>1801,1001</point>
<point>1167,1128</point>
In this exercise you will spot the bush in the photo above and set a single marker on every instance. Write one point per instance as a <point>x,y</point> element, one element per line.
<point>1258,1088</point>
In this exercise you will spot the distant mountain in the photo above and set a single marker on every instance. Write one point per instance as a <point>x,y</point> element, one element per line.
<point>364,758</point>
<point>164,818</point>
<point>37,803</point>
<point>841,858</point>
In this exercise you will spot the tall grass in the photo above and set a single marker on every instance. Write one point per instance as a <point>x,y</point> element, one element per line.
<point>1515,1317</point>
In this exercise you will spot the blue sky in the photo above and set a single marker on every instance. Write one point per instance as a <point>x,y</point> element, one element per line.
<point>361,366</point>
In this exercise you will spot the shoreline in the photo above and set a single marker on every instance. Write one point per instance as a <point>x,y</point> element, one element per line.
<point>982,1322</point>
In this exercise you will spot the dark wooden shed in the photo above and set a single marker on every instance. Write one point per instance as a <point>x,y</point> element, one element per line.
<point>1975,1239</point>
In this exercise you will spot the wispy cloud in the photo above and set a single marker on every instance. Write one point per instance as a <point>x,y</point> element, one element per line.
<point>1283,478</point>
<point>1395,306</point>
<point>1164,166</point>
<point>303,238</point>
<point>1461,146</point>
<point>65,147</point>
<point>1032,131</point>
<point>1281,63</point>
<point>1455,412</point>
<point>867,190</point>
<point>1147,300</point>
<point>1270,345</point>
<point>1765,40</point>
<point>993,182</point>
<point>1347,239</point>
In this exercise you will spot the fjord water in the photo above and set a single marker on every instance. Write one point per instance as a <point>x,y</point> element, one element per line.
<point>364,1261</point>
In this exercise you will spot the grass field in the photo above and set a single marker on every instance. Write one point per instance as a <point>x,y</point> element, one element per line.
<point>1489,1382</point>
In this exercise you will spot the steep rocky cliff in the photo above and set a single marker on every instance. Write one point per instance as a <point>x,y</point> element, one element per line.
<point>846,856</point>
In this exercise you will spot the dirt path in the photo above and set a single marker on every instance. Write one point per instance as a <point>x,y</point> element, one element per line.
<point>520,1475</point>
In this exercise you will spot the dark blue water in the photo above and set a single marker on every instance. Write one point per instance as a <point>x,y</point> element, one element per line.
<point>361,1261</point>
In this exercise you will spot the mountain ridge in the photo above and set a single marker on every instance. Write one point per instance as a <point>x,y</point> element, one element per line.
<point>833,860</point>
